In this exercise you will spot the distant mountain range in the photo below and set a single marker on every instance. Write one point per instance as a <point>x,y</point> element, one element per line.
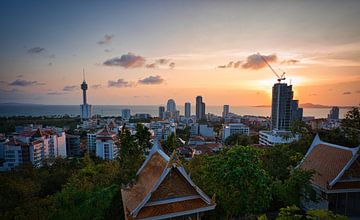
<point>310,105</point>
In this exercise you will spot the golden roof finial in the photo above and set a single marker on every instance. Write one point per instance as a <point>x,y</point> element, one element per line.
<point>213,199</point>
<point>174,159</point>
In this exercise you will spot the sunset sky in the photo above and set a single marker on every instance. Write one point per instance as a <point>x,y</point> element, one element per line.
<point>145,52</point>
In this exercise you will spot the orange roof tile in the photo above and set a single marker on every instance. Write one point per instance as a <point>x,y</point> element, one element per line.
<point>327,161</point>
<point>146,179</point>
<point>162,187</point>
<point>169,208</point>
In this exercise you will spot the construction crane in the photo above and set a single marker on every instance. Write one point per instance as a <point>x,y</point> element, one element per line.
<point>279,78</point>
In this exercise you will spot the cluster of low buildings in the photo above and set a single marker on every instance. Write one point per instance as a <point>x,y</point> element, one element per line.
<point>31,145</point>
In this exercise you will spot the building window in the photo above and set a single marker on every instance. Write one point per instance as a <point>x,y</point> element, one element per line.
<point>106,152</point>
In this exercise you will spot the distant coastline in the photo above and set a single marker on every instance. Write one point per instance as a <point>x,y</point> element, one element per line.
<point>309,105</point>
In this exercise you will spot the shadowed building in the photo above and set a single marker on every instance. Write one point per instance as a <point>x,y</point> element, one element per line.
<point>336,179</point>
<point>284,109</point>
<point>163,190</point>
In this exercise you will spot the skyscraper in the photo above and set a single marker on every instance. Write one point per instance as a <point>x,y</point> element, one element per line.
<point>171,106</point>
<point>284,109</point>
<point>225,110</point>
<point>126,114</point>
<point>334,113</point>
<point>187,109</point>
<point>200,108</point>
<point>161,112</point>
<point>85,109</point>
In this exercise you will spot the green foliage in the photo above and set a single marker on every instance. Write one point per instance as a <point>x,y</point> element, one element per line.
<point>143,136</point>
<point>184,134</point>
<point>236,177</point>
<point>320,214</point>
<point>351,126</point>
<point>131,155</point>
<point>289,213</point>
<point>280,159</point>
<point>293,212</point>
<point>293,189</point>
<point>170,144</point>
<point>240,139</point>
<point>89,193</point>
<point>26,193</point>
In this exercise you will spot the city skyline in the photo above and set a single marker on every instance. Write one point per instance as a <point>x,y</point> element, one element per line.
<point>150,52</point>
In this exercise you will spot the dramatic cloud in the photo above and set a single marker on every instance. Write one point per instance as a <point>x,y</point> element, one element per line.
<point>151,65</point>
<point>237,64</point>
<point>107,39</point>
<point>96,86</point>
<point>151,80</point>
<point>347,93</point>
<point>22,82</point>
<point>172,65</point>
<point>256,62</point>
<point>36,50</point>
<point>120,83</point>
<point>129,60</point>
<point>70,88</point>
<point>290,62</point>
<point>231,64</point>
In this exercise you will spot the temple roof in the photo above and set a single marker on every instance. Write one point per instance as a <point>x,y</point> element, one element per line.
<point>330,162</point>
<point>163,189</point>
<point>106,132</point>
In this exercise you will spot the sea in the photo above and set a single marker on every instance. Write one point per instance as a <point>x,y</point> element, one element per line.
<point>7,110</point>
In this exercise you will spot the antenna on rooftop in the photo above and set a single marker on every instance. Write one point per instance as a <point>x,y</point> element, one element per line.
<point>84,74</point>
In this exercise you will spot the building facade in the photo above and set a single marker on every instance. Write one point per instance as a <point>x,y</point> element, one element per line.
<point>334,113</point>
<point>187,109</point>
<point>233,128</point>
<point>284,109</point>
<point>125,114</point>
<point>226,110</point>
<point>106,148</point>
<point>161,112</point>
<point>200,108</point>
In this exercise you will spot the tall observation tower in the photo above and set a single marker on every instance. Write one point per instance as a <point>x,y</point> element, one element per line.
<point>85,109</point>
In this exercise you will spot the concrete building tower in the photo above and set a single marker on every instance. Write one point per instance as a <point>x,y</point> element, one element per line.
<point>85,108</point>
<point>284,109</point>
<point>187,109</point>
<point>334,113</point>
<point>200,108</point>
<point>161,112</point>
<point>171,106</point>
<point>225,111</point>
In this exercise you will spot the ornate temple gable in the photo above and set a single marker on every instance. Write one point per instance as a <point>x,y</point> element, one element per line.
<point>333,164</point>
<point>353,172</point>
<point>173,186</point>
<point>163,190</point>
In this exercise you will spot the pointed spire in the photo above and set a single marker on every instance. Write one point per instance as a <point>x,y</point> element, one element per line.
<point>213,199</point>
<point>174,159</point>
<point>84,74</point>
